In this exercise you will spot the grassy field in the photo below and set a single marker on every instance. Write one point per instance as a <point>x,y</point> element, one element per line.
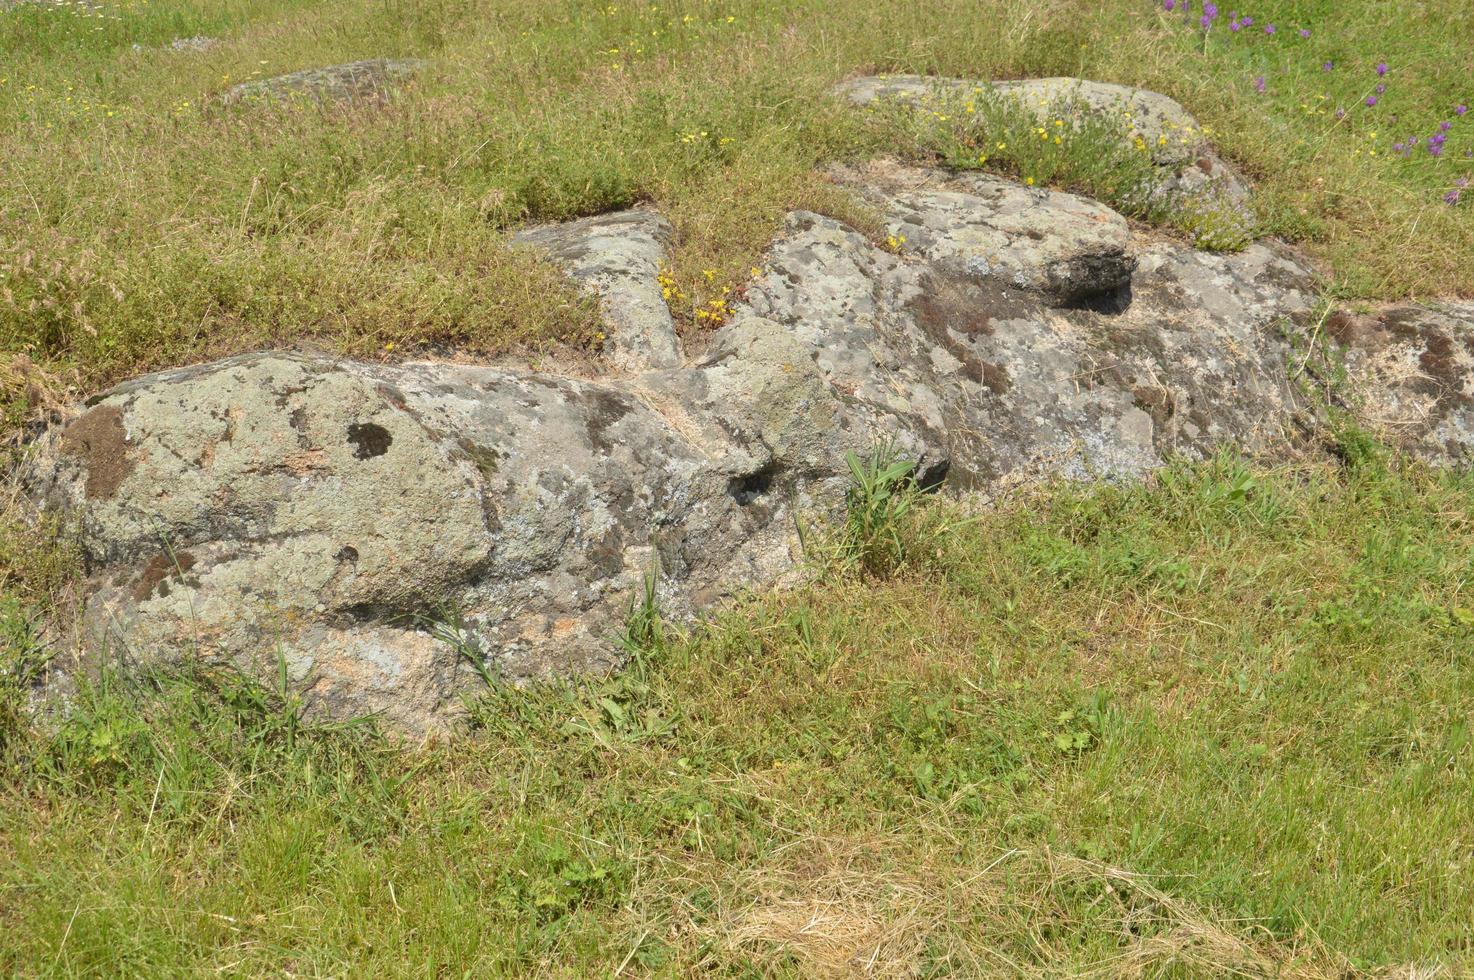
<point>1217,725</point>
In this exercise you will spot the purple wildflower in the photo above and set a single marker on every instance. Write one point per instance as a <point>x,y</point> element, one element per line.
<point>1247,21</point>
<point>1305,32</point>
<point>1269,29</point>
<point>1381,69</point>
<point>1340,113</point>
<point>1328,66</point>
<point>1398,147</point>
<point>1460,110</point>
<point>1445,126</point>
<point>1371,100</point>
<point>1169,4</point>
<point>1259,84</point>
<point>1210,9</point>
<point>1235,26</point>
<point>1451,198</point>
<point>1205,21</point>
<point>1381,89</point>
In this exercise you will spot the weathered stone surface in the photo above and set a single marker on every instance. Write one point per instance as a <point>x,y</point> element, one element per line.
<point>1412,376</point>
<point>1173,137</point>
<point>1193,175</point>
<point>356,81</point>
<point>985,229</point>
<point>1005,386</point>
<point>331,512</point>
<point>619,256</point>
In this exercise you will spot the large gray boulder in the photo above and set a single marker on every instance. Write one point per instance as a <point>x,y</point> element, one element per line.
<point>388,531</point>
<point>343,516</point>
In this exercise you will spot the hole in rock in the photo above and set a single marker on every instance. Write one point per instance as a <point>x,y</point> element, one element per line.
<point>931,475</point>
<point>346,553</point>
<point>369,439</point>
<point>1112,302</point>
<point>746,489</point>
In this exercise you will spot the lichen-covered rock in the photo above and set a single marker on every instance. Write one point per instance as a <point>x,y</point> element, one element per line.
<point>981,228</point>
<point>356,81</point>
<point>333,512</point>
<point>619,256</point>
<point>380,527</point>
<point>1188,354</point>
<point>1411,374</point>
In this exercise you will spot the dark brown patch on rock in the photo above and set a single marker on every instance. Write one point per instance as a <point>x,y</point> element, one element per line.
<point>604,411</point>
<point>159,569</point>
<point>946,308</point>
<point>1156,402</point>
<point>1343,328</point>
<point>100,440</point>
<point>995,376</point>
<point>1438,360</point>
<point>369,439</point>
<point>943,305</point>
<point>1404,322</point>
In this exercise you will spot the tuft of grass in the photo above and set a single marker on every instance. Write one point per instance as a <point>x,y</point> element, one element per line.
<point>1214,725</point>
<point>881,495</point>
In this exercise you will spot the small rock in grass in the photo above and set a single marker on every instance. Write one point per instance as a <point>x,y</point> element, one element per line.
<point>357,81</point>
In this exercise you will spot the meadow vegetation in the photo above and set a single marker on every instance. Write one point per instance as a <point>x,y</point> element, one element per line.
<point>1214,724</point>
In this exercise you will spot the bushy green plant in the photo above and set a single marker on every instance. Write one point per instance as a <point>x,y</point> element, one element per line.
<point>882,493</point>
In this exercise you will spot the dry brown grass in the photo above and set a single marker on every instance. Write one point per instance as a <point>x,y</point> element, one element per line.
<point>852,907</point>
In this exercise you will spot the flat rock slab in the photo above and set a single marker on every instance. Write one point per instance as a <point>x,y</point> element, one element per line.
<point>357,81</point>
<point>385,529</point>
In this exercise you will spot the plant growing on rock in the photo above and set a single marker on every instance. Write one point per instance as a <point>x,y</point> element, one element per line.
<point>881,495</point>
<point>1060,139</point>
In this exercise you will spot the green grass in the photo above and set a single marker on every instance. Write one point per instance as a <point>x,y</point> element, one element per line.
<point>142,225</point>
<point>1216,724</point>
